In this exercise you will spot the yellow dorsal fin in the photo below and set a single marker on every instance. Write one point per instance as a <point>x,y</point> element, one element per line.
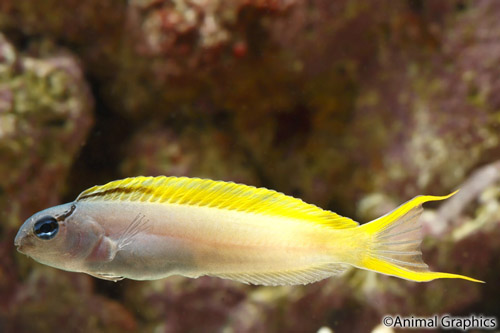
<point>215,194</point>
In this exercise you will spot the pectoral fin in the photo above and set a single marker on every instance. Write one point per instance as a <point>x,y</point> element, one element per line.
<point>106,248</point>
<point>139,224</point>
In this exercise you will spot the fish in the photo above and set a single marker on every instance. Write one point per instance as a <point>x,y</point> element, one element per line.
<point>148,228</point>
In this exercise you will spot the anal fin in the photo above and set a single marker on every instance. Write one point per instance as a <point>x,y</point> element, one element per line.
<point>287,277</point>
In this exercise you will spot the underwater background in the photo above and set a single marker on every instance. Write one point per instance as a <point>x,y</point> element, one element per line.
<point>355,106</point>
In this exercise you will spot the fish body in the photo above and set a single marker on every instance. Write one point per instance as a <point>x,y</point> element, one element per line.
<point>147,228</point>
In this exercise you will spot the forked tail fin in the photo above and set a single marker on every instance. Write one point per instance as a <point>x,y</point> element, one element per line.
<point>395,244</point>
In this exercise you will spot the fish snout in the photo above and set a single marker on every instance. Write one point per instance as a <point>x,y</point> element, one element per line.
<point>17,240</point>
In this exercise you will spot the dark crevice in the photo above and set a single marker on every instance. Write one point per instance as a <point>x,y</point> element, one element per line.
<point>99,159</point>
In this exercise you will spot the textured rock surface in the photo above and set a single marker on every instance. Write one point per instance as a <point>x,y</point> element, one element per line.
<point>352,105</point>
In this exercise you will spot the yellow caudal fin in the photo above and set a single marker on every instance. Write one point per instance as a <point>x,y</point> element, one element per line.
<point>395,244</point>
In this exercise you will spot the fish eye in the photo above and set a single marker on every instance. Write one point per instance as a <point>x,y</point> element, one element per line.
<point>46,228</point>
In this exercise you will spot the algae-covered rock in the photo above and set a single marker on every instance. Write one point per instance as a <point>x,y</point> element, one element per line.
<point>45,115</point>
<point>441,118</point>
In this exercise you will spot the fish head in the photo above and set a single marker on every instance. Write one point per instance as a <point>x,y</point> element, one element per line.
<point>59,236</point>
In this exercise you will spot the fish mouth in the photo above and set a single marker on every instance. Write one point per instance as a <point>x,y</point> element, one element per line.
<point>23,247</point>
<point>21,242</point>
<point>19,247</point>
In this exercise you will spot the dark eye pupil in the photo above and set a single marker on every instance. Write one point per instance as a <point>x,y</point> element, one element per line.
<point>46,227</point>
